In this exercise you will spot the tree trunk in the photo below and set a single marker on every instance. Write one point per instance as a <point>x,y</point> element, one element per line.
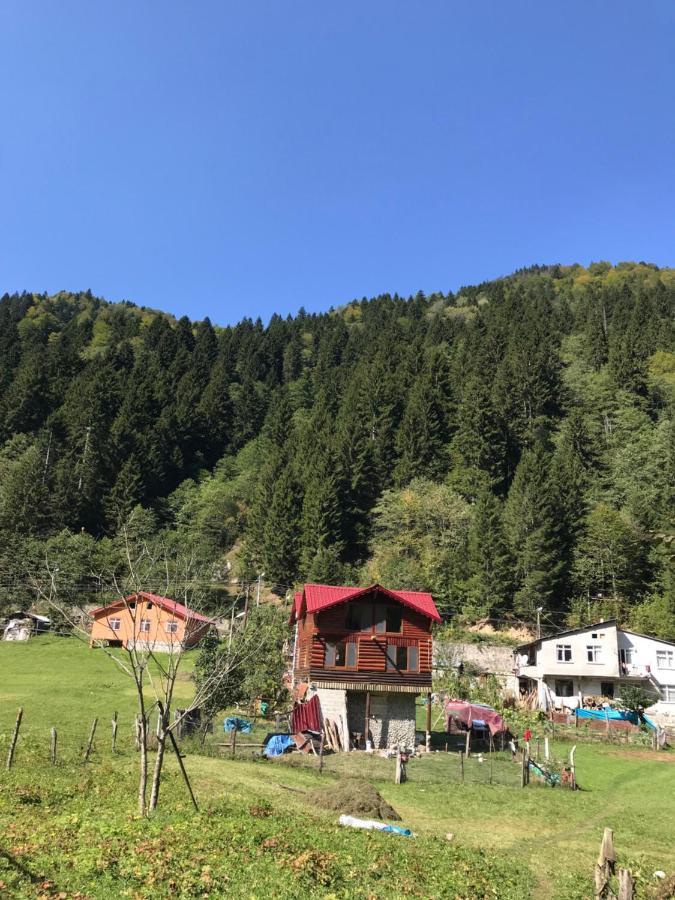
<point>143,774</point>
<point>159,761</point>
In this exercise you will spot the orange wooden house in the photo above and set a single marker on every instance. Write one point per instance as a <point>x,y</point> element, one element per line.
<point>148,621</point>
<point>367,654</point>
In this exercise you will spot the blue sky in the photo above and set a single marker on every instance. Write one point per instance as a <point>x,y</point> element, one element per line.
<point>232,159</point>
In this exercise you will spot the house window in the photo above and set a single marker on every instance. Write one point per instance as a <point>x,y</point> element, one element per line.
<point>402,659</point>
<point>594,636</point>
<point>594,653</point>
<point>352,653</point>
<point>563,653</point>
<point>665,659</point>
<point>626,656</point>
<point>394,619</point>
<point>149,606</point>
<point>531,656</point>
<point>171,627</point>
<point>357,617</point>
<point>114,624</point>
<point>668,693</point>
<point>145,624</point>
<point>607,689</point>
<point>564,687</point>
<point>335,654</point>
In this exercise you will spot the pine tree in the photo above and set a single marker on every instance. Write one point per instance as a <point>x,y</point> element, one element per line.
<point>532,525</point>
<point>490,558</point>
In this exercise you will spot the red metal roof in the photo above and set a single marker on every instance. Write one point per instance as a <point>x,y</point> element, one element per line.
<point>172,606</point>
<point>315,597</point>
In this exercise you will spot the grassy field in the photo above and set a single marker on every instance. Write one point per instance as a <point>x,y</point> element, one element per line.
<point>259,833</point>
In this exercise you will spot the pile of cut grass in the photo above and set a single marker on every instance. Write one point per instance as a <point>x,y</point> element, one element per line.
<point>354,797</point>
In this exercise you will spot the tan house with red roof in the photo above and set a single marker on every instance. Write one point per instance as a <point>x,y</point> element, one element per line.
<point>367,654</point>
<point>148,621</point>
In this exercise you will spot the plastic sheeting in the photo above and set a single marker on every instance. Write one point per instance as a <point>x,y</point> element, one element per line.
<point>471,713</point>
<point>234,723</point>
<point>278,744</point>
<point>604,714</point>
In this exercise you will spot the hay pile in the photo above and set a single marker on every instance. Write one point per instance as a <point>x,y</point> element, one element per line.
<point>354,798</point>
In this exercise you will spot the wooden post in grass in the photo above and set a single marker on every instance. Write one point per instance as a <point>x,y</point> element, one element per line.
<point>233,743</point>
<point>604,866</point>
<point>397,774</point>
<point>323,739</point>
<point>366,730</point>
<point>492,750</point>
<point>15,738</point>
<point>626,885</point>
<point>428,723</point>
<point>182,769</point>
<point>572,768</point>
<point>53,747</point>
<point>461,765</point>
<point>91,739</point>
<point>114,732</point>
<point>467,747</point>
<point>524,769</point>
<point>545,748</point>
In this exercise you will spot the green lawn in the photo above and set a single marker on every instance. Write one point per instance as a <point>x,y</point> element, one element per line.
<point>73,827</point>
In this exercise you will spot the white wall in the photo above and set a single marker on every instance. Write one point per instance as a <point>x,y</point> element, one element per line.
<point>644,662</point>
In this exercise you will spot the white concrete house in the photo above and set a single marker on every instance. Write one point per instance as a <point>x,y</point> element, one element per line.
<point>596,661</point>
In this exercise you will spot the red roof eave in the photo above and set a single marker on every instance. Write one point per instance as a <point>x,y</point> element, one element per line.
<point>317,597</point>
<point>166,603</point>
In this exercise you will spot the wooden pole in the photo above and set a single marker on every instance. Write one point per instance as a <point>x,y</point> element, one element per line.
<point>626,885</point>
<point>546,748</point>
<point>604,866</point>
<point>91,739</point>
<point>574,774</point>
<point>182,768</point>
<point>492,750</point>
<point>323,738</point>
<point>428,724</point>
<point>15,737</point>
<point>366,731</point>
<point>53,747</point>
<point>397,775</point>
<point>114,732</point>
<point>233,742</point>
<point>467,748</point>
<point>523,770</point>
<point>461,765</point>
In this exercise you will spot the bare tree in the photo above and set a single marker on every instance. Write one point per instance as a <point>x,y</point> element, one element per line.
<point>152,664</point>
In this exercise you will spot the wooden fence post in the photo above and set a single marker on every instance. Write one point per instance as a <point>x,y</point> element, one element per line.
<point>492,750</point>
<point>323,739</point>
<point>524,769</point>
<point>233,743</point>
<point>604,867</point>
<point>91,739</point>
<point>574,774</point>
<point>114,732</point>
<point>53,747</point>
<point>15,737</point>
<point>467,747</point>
<point>461,765</point>
<point>626,885</point>
<point>545,748</point>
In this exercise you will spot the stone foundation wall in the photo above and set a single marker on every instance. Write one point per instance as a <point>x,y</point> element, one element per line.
<point>392,718</point>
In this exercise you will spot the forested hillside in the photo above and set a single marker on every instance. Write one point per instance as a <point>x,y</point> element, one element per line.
<point>506,447</point>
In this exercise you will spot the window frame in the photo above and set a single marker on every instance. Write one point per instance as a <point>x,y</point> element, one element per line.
<point>142,629</point>
<point>330,656</point>
<point>115,623</point>
<point>393,664</point>
<point>561,650</point>
<point>669,656</point>
<point>668,693</point>
<point>594,654</point>
<point>174,623</point>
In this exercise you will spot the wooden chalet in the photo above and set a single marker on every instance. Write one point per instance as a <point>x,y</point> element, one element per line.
<point>148,621</point>
<point>358,647</point>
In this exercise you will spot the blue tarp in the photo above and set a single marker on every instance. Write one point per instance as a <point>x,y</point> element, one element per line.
<point>277,744</point>
<point>234,722</point>
<point>604,714</point>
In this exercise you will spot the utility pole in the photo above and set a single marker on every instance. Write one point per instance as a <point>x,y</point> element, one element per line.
<point>49,447</point>
<point>539,610</point>
<point>257,596</point>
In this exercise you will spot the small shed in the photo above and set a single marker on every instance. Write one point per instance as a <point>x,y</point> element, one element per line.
<point>21,626</point>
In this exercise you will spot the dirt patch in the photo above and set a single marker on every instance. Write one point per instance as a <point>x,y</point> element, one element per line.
<point>355,798</point>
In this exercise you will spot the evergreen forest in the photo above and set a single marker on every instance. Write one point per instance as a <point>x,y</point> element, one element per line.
<point>509,447</point>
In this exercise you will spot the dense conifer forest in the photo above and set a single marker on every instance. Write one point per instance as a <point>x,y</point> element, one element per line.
<point>508,447</point>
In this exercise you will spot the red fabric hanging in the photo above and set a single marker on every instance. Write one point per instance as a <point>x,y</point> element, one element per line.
<point>306,716</point>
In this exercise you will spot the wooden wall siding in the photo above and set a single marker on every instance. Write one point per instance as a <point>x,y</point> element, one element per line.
<point>372,654</point>
<point>304,648</point>
<point>333,620</point>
